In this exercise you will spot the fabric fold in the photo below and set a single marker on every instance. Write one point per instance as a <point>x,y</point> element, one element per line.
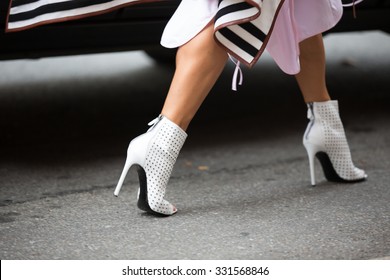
<point>242,27</point>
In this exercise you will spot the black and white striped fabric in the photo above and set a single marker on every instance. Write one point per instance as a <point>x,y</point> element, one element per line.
<point>24,14</point>
<point>242,27</point>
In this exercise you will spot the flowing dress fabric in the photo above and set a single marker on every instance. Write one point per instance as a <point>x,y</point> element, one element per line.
<point>243,27</point>
<point>296,21</point>
<point>25,14</point>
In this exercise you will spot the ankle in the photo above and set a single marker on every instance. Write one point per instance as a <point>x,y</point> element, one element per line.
<point>317,100</point>
<point>181,121</point>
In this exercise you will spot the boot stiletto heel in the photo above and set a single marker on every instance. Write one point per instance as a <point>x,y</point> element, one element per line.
<point>154,153</point>
<point>325,139</point>
<point>126,168</point>
<point>311,152</point>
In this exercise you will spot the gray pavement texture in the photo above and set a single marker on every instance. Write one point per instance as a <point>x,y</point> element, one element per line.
<point>241,183</point>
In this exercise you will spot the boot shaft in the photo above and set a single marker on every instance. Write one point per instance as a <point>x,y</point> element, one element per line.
<point>163,136</point>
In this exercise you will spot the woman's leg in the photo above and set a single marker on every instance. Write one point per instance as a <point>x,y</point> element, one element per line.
<point>311,78</point>
<point>199,63</point>
<point>324,137</point>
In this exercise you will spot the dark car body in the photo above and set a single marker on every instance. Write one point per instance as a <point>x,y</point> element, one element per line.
<point>139,27</point>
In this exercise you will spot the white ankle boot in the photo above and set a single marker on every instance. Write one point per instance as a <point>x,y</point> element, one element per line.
<point>154,153</point>
<point>325,138</point>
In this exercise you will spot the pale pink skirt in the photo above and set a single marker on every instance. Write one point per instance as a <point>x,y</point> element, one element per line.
<point>297,20</point>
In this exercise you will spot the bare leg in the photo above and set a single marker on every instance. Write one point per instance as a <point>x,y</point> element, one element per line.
<point>199,63</point>
<point>327,136</point>
<point>311,78</point>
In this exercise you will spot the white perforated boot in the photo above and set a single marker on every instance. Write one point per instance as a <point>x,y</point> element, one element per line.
<point>325,139</point>
<point>154,153</point>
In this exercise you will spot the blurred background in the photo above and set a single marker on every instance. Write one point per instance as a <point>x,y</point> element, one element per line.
<point>66,121</point>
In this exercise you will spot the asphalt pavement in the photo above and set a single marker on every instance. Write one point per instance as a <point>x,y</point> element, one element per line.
<point>241,182</point>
